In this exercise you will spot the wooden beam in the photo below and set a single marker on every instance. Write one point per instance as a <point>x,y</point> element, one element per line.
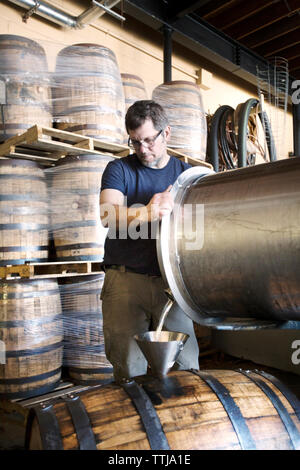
<point>235,14</point>
<point>288,53</point>
<point>294,64</point>
<point>214,7</point>
<point>260,20</point>
<point>271,32</point>
<point>278,44</point>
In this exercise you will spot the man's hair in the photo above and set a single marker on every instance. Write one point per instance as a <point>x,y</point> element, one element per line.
<point>145,109</point>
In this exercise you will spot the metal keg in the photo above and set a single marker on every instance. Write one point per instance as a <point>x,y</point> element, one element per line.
<point>230,250</point>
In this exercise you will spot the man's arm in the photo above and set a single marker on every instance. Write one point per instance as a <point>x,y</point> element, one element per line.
<point>115,214</point>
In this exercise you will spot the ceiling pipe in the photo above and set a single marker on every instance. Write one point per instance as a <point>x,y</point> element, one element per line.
<point>167,32</point>
<point>52,13</point>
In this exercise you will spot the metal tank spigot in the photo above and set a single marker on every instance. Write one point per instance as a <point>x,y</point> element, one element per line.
<point>169,294</point>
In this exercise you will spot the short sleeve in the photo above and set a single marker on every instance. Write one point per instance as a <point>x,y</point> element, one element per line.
<point>113,177</point>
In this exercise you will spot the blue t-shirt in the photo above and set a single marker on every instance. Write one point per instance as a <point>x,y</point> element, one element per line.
<point>138,183</point>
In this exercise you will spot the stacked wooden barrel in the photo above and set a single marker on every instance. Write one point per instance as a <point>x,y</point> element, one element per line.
<point>84,354</point>
<point>31,330</point>
<point>25,85</point>
<point>23,212</point>
<point>75,212</point>
<point>134,89</point>
<point>79,236</point>
<point>182,101</point>
<point>88,97</point>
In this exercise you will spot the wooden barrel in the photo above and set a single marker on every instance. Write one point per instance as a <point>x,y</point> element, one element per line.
<point>88,94</point>
<point>24,84</point>
<point>31,330</point>
<point>84,353</point>
<point>23,212</point>
<point>182,101</point>
<point>75,214</point>
<point>134,89</point>
<point>186,410</point>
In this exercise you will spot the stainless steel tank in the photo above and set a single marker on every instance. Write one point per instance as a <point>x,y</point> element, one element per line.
<point>230,250</point>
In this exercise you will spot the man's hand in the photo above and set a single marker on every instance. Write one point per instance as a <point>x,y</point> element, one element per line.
<point>114,215</point>
<point>160,205</point>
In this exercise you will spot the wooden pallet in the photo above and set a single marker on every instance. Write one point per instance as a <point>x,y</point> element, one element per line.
<point>50,269</point>
<point>187,159</point>
<point>37,144</point>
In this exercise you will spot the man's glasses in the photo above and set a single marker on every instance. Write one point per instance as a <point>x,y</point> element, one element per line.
<point>148,142</point>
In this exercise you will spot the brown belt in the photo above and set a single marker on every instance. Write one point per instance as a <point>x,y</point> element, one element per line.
<point>124,269</point>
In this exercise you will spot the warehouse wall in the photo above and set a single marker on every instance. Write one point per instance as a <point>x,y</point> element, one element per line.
<point>139,51</point>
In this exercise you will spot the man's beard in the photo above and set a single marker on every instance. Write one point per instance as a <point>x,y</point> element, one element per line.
<point>150,164</point>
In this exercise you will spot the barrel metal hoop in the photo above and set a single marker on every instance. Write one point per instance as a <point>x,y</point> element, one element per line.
<point>28,295</point>
<point>28,248</point>
<point>81,349</point>
<point>31,322</point>
<point>66,287</point>
<point>231,408</point>
<point>80,258</point>
<point>134,85</point>
<point>8,176</point>
<point>96,370</point>
<point>81,422</point>
<point>30,393</point>
<point>33,352</point>
<point>72,224</point>
<point>83,315</point>
<point>292,431</point>
<point>15,262</point>
<point>61,170</point>
<point>155,433</point>
<point>292,399</point>
<point>23,226</point>
<point>23,197</point>
<point>98,127</point>
<point>16,125</point>
<point>76,246</point>
<point>33,378</point>
<point>49,427</point>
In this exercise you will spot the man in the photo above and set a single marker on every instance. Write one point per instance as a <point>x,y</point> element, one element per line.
<point>133,293</point>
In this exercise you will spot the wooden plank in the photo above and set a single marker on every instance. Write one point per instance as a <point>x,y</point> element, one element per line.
<point>86,144</point>
<point>188,159</point>
<point>72,137</point>
<point>50,269</point>
<point>54,146</point>
<point>44,160</point>
<point>22,270</point>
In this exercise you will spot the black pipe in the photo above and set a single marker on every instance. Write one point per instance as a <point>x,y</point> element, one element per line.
<point>296,129</point>
<point>167,32</point>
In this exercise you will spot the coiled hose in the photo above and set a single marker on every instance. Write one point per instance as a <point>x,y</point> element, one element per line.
<point>218,141</point>
<point>214,134</point>
<point>242,132</point>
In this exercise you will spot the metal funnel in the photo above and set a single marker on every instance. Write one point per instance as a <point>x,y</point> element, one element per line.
<point>161,351</point>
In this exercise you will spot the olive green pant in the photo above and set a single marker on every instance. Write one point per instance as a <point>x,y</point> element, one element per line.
<point>132,304</point>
